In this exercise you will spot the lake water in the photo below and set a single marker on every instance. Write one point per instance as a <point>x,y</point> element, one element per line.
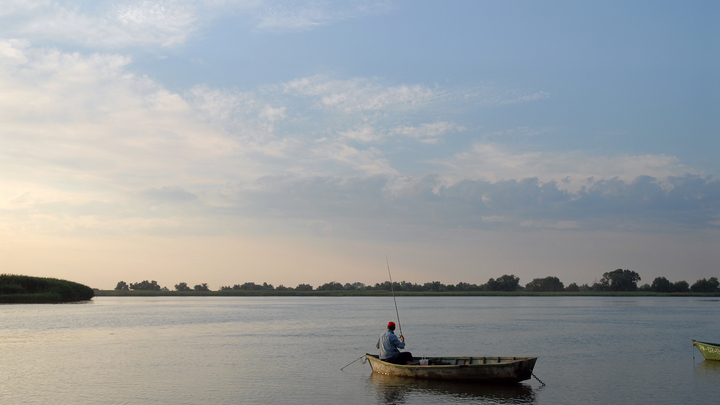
<point>289,350</point>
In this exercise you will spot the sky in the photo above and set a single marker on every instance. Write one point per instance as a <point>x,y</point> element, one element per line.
<point>288,142</point>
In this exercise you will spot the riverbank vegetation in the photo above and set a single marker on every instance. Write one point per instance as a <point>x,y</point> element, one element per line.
<point>617,282</point>
<point>26,289</point>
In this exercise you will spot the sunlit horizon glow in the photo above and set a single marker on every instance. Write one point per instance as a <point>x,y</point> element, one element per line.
<point>225,142</point>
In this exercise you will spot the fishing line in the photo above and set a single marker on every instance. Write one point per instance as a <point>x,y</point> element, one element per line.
<point>393,294</point>
<point>353,362</point>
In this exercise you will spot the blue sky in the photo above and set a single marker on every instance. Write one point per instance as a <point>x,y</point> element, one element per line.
<point>229,141</point>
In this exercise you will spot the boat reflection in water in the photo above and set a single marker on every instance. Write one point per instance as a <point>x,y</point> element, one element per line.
<point>398,390</point>
<point>708,368</point>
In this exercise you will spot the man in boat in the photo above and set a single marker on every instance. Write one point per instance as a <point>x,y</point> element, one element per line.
<point>389,346</point>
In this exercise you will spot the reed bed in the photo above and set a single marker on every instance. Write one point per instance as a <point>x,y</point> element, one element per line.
<point>26,289</point>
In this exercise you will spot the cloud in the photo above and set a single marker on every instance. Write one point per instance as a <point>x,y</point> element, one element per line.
<point>88,146</point>
<point>241,115</point>
<point>494,162</point>
<point>491,94</point>
<point>103,24</point>
<point>365,133</point>
<point>644,204</point>
<point>80,128</point>
<point>519,131</point>
<point>169,194</point>
<point>428,133</point>
<point>281,16</point>
<point>164,23</point>
<point>523,98</point>
<point>359,161</point>
<point>359,94</point>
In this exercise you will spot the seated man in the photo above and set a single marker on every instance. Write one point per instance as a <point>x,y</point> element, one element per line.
<point>389,345</point>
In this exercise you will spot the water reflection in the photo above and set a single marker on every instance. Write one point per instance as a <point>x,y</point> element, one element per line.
<point>397,390</point>
<point>708,368</point>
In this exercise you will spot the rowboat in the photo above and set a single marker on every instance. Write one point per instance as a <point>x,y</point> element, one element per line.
<point>711,351</point>
<point>484,369</point>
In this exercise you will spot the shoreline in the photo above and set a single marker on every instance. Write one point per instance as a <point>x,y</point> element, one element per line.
<point>272,293</point>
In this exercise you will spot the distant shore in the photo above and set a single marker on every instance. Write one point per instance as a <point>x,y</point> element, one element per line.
<point>376,293</point>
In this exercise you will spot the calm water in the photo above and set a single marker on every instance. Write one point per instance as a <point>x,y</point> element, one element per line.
<point>280,350</point>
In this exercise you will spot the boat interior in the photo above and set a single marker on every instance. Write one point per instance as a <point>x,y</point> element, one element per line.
<point>459,361</point>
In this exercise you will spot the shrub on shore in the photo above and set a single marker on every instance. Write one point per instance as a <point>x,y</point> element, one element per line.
<point>27,289</point>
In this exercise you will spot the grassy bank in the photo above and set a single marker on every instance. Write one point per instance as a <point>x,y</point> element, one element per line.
<point>374,293</point>
<point>16,289</point>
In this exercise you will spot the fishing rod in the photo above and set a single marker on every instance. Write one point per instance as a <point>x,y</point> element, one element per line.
<point>393,294</point>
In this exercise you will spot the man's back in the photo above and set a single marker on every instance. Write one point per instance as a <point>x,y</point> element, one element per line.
<point>388,344</point>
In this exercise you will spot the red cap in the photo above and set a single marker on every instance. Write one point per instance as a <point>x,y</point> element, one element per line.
<point>391,325</point>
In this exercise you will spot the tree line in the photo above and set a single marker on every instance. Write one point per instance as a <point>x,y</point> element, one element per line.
<point>617,280</point>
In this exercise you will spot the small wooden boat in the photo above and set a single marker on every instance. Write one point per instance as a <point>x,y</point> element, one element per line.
<point>711,351</point>
<point>483,369</point>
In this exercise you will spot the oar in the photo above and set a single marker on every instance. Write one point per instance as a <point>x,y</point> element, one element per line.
<point>393,294</point>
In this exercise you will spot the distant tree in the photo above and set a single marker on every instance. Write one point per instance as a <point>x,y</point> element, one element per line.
<point>620,280</point>
<point>182,287</point>
<point>681,286</point>
<point>226,288</point>
<point>266,286</point>
<point>121,286</point>
<point>572,287</point>
<point>282,288</point>
<point>661,284</point>
<point>402,286</point>
<point>709,285</point>
<point>545,284</point>
<point>585,288</point>
<point>304,287</point>
<point>145,285</point>
<point>503,283</point>
<point>248,286</point>
<point>331,286</point>
<point>463,286</point>
<point>201,287</point>
<point>645,287</point>
<point>381,286</point>
<point>406,286</point>
<point>435,286</point>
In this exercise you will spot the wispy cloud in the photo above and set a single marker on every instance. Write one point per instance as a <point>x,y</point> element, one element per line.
<point>519,131</point>
<point>169,194</point>
<point>365,133</point>
<point>104,24</point>
<point>284,16</point>
<point>428,133</point>
<point>359,94</point>
<point>165,23</point>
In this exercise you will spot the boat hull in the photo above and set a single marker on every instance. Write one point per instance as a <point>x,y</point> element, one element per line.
<point>483,369</point>
<point>711,351</point>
